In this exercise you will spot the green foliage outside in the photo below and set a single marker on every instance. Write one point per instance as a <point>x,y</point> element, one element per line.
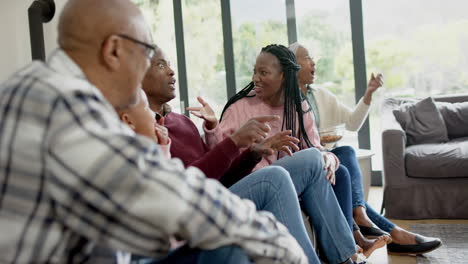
<point>427,61</point>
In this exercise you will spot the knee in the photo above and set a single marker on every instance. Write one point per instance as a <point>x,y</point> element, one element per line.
<point>342,175</point>
<point>276,172</point>
<point>311,156</point>
<point>278,175</point>
<point>345,150</point>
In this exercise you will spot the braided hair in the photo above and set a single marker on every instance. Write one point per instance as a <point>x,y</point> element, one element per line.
<point>292,95</point>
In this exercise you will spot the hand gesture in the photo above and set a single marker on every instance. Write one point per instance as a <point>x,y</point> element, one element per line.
<point>375,82</point>
<point>161,132</point>
<point>330,166</point>
<point>280,141</point>
<point>253,131</point>
<point>204,112</point>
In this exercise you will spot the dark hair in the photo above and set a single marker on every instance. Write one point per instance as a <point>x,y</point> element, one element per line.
<point>292,95</point>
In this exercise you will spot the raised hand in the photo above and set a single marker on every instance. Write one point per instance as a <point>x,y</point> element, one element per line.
<point>374,83</point>
<point>161,132</point>
<point>280,141</point>
<point>253,131</point>
<point>204,112</point>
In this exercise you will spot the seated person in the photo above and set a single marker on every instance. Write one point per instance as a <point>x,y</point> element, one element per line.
<point>274,90</point>
<point>328,111</point>
<point>233,164</point>
<point>74,177</point>
<point>270,189</point>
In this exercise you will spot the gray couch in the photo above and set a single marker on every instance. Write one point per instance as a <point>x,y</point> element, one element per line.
<point>428,180</point>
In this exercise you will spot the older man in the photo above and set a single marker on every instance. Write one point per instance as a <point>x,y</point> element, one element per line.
<point>72,175</point>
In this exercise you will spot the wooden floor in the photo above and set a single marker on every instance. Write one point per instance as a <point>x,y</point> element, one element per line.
<point>380,256</point>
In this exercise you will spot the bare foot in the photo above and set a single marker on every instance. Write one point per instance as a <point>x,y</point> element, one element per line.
<point>375,244</point>
<point>403,237</point>
<point>359,249</point>
<point>369,245</point>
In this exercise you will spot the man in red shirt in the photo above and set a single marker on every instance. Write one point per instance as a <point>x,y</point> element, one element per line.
<point>230,162</point>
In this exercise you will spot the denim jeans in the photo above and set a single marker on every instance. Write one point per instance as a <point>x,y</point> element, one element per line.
<point>342,189</point>
<point>347,157</point>
<point>186,255</point>
<point>306,169</point>
<point>271,189</point>
<point>269,192</point>
<point>379,220</point>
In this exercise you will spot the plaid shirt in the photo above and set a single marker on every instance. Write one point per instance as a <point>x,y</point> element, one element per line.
<point>72,176</point>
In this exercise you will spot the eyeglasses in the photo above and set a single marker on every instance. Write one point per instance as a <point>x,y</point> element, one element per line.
<point>150,49</point>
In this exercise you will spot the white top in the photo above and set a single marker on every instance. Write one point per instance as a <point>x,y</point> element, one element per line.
<point>332,112</point>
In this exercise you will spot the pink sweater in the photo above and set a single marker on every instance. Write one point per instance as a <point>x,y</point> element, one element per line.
<point>244,109</point>
<point>223,162</point>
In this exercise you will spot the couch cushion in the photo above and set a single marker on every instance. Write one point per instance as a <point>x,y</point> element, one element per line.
<point>455,117</point>
<point>446,160</point>
<point>422,122</point>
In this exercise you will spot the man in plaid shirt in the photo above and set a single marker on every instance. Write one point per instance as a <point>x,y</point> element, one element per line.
<point>73,176</point>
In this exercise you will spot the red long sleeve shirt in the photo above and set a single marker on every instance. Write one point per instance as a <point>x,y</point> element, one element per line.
<point>223,162</point>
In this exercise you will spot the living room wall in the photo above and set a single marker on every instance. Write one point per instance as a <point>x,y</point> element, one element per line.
<point>15,47</point>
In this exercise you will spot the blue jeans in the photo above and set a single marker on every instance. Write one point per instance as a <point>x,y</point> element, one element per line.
<point>271,189</point>
<point>186,255</point>
<point>319,203</point>
<point>342,189</point>
<point>347,157</point>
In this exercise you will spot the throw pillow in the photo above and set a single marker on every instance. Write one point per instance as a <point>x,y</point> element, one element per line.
<point>455,116</point>
<point>422,122</point>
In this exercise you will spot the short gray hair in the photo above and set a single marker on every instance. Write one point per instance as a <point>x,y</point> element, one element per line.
<point>293,47</point>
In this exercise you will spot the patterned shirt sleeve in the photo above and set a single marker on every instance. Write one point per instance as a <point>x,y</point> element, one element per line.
<point>115,187</point>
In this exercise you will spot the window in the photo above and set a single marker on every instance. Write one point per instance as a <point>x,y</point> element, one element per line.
<point>160,16</point>
<point>206,74</point>
<point>324,29</point>
<point>255,24</point>
<point>419,46</point>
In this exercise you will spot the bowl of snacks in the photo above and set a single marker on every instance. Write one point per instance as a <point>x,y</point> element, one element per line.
<point>331,135</point>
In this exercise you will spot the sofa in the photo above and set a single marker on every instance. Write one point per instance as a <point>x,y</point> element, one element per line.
<point>425,157</point>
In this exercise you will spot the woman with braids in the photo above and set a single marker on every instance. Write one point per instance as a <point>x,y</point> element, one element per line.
<point>229,160</point>
<point>274,91</point>
<point>328,112</point>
